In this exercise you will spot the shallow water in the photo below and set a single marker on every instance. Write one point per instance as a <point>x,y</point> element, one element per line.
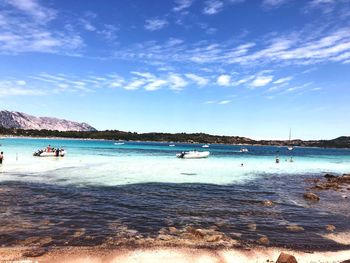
<point>100,188</point>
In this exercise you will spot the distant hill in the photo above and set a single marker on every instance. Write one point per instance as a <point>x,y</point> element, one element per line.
<point>21,124</point>
<point>19,120</point>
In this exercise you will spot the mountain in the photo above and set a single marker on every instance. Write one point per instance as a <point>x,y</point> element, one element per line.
<point>19,120</point>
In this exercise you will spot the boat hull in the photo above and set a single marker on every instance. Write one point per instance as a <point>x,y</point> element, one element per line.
<point>50,154</point>
<point>193,155</point>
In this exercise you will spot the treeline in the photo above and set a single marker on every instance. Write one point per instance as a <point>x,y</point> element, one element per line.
<point>341,142</point>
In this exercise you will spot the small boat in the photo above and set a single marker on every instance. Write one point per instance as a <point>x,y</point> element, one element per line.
<point>193,155</point>
<point>171,145</point>
<point>118,143</point>
<point>205,146</point>
<point>244,150</point>
<point>53,153</point>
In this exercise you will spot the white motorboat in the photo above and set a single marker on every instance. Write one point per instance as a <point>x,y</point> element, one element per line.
<point>171,145</point>
<point>118,143</point>
<point>205,146</point>
<point>193,155</point>
<point>55,153</point>
<point>244,150</point>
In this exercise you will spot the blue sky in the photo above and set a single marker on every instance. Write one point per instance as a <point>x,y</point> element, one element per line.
<point>251,68</point>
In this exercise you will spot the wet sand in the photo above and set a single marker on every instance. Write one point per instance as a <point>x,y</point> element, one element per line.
<point>162,254</point>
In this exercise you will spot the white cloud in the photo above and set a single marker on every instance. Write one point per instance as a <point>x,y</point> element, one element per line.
<point>87,25</point>
<point>213,7</point>
<point>220,102</point>
<point>146,75</point>
<point>25,28</point>
<point>182,5</point>
<point>135,84</point>
<point>296,88</point>
<point>243,80</point>
<point>155,85</point>
<point>305,47</point>
<point>21,82</point>
<point>34,9</point>
<point>200,81</point>
<point>223,102</point>
<point>274,3</point>
<point>15,88</point>
<point>155,24</point>
<point>176,82</point>
<point>283,80</point>
<point>261,81</point>
<point>223,80</point>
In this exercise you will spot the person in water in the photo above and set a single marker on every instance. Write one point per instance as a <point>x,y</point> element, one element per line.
<point>277,159</point>
<point>48,148</point>
<point>1,157</point>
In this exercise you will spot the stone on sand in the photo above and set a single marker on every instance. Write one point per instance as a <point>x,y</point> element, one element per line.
<point>286,258</point>
<point>311,196</point>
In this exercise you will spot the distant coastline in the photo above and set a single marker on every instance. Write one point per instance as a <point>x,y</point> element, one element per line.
<point>115,135</point>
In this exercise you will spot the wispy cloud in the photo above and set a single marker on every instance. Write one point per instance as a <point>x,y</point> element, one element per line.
<point>200,81</point>
<point>155,24</point>
<point>32,8</point>
<point>155,84</point>
<point>25,28</point>
<point>176,82</point>
<point>18,88</point>
<point>298,48</point>
<point>282,80</point>
<point>212,7</point>
<point>261,81</point>
<point>274,3</point>
<point>181,5</point>
<point>223,102</point>
<point>135,84</point>
<point>218,102</point>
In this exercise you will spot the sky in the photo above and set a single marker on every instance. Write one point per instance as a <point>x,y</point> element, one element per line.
<point>252,68</point>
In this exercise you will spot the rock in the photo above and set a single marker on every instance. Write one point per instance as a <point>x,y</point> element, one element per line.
<point>214,238</point>
<point>346,261</point>
<point>172,230</point>
<point>163,231</point>
<point>198,233</point>
<point>267,203</point>
<point>311,196</point>
<point>295,228</point>
<point>164,237</point>
<point>46,241</point>
<point>252,227</point>
<point>330,228</point>
<point>34,253</point>
<point>264,240</point>
<point>286,258</point>
<point>79,233</point>
<point>329,176</point>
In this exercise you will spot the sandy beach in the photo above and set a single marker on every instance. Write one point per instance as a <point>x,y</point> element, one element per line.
<point>163,254</point>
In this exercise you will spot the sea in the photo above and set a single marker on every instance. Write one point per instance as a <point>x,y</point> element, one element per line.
<point>100,187</point>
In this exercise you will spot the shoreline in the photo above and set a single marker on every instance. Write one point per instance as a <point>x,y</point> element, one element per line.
<point>167,254</point>
<point>189,143</point>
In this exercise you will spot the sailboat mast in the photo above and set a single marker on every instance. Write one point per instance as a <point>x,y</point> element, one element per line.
<point>290,134</point>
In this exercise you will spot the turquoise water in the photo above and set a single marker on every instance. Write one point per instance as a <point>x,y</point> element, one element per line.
<point>90,162</point>
<point>103,188</point>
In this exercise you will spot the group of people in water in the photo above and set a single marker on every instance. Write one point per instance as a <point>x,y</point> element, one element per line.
<point>49,149</point>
